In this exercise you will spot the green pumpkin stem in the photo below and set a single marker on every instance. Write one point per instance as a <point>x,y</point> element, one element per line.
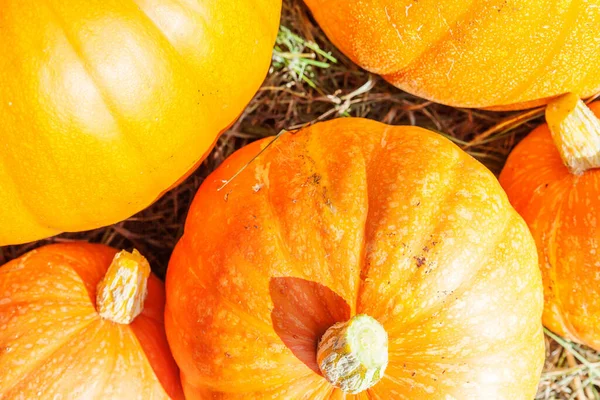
<point>353,355</point>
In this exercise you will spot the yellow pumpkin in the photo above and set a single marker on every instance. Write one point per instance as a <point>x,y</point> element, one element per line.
<point>106,104</point>
<point>507,54</point>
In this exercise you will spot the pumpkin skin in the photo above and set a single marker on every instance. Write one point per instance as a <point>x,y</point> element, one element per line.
<point>503,54</point>
<point>105,105</point>
<point>54,343</point>
<point>561,210</point>
<point>355,217</point>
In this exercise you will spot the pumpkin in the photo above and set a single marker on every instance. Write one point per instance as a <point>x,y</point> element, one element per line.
<point>81,321</point>
<point>503,54</point>
<point>106,104</point>
<point>359,259</point>
<point>552,180</point>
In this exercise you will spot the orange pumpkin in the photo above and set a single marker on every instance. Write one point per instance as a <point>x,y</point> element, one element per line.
<point>552,180</point>
<point>355,243</point>
<point>106,104</point>
<point>507,54</point>
<point>66,327</point>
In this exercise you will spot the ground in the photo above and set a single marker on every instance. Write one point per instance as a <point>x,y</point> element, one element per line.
<point>309,81</point>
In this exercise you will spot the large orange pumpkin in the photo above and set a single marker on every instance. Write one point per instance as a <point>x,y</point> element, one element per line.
<point>392,232</point>
<point>105,104</point>
<point>552,179</point>
<point>66,327</point>
<point>506,54</point>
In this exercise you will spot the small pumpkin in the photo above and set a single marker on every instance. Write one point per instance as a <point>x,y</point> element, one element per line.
<point>106,104</point>
<point>553,181</point>
<point>81,321</point>
<point>354,243</point>
<point>506,54</point>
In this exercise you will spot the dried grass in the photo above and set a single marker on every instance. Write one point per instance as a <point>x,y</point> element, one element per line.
<point>311,81</point>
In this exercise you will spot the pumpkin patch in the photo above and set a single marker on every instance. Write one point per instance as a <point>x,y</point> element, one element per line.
<point>353,243</point>
<point>354,255</point>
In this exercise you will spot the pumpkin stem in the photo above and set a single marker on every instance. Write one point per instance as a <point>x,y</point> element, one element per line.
<point>121,294</point>
<point>353,355</point>
<point>576,133</point>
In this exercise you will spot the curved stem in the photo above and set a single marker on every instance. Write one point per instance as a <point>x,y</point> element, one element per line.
<point>353,355</point>
<point>120,295</point>
<point>576,132</point>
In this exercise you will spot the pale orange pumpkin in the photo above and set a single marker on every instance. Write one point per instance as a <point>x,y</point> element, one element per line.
<point>106,104</point>
<point>507,54</point>
<point>553,181</point>
<point>79,321</point>
<point>393,232</point>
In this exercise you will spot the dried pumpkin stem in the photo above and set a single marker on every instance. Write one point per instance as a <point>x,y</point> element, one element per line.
<point>121,294</point>
<point>353,355</point>
<point>576,133</point>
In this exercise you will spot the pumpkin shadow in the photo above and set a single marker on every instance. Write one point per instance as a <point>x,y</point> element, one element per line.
<point>303,311</point>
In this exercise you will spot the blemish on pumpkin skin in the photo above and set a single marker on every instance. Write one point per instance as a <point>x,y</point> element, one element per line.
<point>261,174</point>
<point>314,179</point>
<point>327,200</point>
<point>420,261</point>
